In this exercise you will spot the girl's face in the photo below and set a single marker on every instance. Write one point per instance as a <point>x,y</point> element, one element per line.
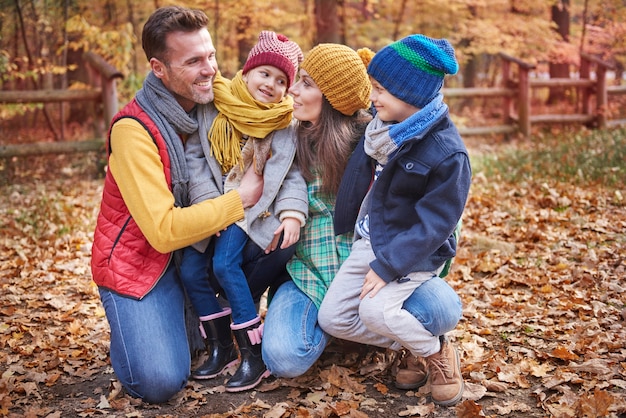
<point>266,83</point>
<point>388,107</point>
<point>307,99</point>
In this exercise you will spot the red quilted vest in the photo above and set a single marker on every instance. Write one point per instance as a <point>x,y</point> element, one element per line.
<point>122,260</point>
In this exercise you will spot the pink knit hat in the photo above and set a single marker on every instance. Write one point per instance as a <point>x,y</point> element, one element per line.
<point>275,50</point>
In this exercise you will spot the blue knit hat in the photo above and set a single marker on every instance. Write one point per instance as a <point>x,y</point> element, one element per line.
<point>412,69</point>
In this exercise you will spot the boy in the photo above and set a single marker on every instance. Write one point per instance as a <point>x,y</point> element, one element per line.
<point>252,129</point>
<point>404,231</point>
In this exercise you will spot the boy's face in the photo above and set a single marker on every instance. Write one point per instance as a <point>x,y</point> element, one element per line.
<point>388,107</point>
<point>266,83</point>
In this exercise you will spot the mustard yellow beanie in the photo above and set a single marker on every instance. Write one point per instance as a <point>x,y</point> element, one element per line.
<point>341,74</point>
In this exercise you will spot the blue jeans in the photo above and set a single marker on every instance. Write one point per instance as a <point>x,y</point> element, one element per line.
<point>436,305</point>
<point>227,261</point>
<point>293,339</point>
<point>262,270</point>
<point>149,348</point>
<point>149,344</point>
<point>194,273</point>
<point>198,272</point>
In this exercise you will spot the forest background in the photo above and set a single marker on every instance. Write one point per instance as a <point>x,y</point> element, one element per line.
<point>42,41</point>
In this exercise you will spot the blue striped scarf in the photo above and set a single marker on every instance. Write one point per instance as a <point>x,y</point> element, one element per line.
<point>383,138</point>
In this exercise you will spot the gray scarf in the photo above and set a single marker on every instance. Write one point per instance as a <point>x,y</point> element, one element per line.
<point>172,121</point>
<point>383,138</point>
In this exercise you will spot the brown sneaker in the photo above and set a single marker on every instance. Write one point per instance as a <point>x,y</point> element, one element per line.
<point>446,382</point>
<point>412,372</point>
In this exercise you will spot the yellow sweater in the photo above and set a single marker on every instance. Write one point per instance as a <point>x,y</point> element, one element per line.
<point>137,168</point>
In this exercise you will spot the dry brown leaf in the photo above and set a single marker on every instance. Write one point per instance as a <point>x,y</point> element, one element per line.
<point>469,409</point>
<point>510,407</point>
<point>474,391</point>
<point>594,405</point>
<point>418,410</point>
<point>563,353</point>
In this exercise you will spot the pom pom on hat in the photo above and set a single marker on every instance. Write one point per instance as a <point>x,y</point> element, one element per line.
<point>413,68</point>
<point>341,75</point>
<point>366,55</point>
<point>275,50</point>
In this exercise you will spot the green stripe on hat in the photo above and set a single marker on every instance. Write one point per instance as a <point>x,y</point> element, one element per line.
<point>415,58</point>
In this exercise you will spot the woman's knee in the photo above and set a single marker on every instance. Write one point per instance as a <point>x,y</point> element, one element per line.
<point>283,360</point>
<point>280,368</point>
<point>436,305</point>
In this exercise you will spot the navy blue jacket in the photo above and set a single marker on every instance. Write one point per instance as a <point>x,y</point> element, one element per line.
<point>416,202</point>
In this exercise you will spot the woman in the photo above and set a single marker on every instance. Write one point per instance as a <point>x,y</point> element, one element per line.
<point>331,100</point>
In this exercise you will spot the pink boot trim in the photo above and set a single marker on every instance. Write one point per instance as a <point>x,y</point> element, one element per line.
<point>225,312</point>
<point>254,335</point>
<point>245,324</point>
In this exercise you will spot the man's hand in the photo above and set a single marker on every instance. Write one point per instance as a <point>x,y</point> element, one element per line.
<point>251,188</point>
<point>372,284</point>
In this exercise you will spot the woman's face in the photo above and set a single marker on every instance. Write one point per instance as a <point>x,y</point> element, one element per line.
<point>307,99</point>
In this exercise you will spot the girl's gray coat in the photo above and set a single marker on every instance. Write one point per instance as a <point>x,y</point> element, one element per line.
<point>284,187</point>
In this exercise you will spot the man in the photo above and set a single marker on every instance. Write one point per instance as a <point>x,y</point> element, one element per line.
<point>145,216</point>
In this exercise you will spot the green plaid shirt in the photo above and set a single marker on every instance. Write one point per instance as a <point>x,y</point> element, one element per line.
<point>319,253</point>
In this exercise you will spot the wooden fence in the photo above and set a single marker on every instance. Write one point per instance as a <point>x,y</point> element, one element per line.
<point>102,90</point>
<point>515,93</point>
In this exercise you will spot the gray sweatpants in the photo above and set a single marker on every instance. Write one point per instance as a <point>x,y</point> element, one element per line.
<point>380,320</point>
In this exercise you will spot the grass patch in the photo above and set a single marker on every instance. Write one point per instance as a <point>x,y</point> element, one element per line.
<point>584,158</point>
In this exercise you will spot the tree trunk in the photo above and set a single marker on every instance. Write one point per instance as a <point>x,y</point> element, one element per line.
<point>243,44</point>
<point>560,16</point>
<point>327,21</point>
<point>398,21</point>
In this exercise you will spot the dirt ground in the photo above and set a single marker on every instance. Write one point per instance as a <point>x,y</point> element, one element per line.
<point>301,397</point>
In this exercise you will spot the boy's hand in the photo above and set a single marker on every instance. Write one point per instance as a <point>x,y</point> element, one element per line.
<point>372,284</point>
<point>290,228</point>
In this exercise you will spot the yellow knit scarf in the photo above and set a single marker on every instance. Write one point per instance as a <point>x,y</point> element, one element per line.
<point>240,114</point>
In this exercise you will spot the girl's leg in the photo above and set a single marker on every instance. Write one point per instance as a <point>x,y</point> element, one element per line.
<point>149,348</point>
<point>292,338</point>
<point>262,270</point>
<point>194,274</point>
<point>227,262</point>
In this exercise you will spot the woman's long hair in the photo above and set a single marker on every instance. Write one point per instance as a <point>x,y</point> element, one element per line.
<point>323,148</point>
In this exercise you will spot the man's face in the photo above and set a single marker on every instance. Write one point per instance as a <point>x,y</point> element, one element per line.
<point>189,67</point>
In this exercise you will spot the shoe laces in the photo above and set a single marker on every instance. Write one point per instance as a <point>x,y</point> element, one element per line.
<point>439,365</point>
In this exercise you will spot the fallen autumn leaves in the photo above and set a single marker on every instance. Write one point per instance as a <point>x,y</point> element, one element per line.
<point>540,271</point>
